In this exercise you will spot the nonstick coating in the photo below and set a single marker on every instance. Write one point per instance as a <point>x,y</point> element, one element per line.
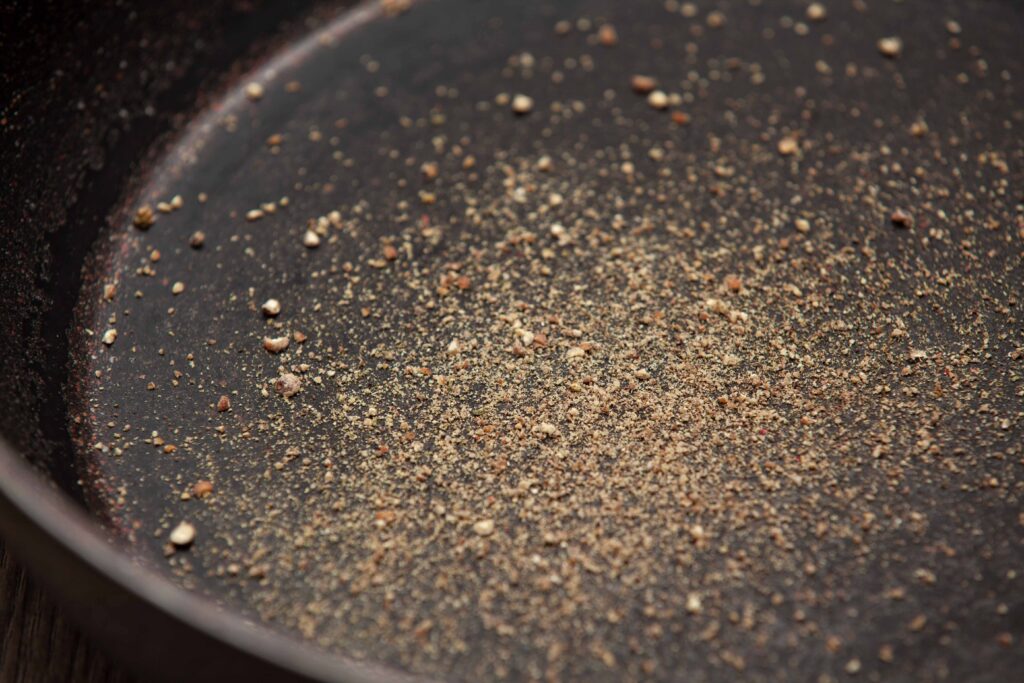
<point>206,51</point>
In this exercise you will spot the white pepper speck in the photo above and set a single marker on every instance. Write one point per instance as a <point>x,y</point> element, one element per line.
<point>254,91</point>
<point>271,308</point>
<point>183,535</point>
<point>522,104</point>
<point>311,240</point>
<point>658,100</point>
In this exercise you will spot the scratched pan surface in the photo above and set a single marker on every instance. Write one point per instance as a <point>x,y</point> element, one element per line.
<point>921,582</point>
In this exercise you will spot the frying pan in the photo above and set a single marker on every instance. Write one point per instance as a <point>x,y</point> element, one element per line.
<point>105,106</point>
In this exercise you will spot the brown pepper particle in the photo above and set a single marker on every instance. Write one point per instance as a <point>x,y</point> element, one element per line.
<point>287,385</point>
<point>202,488</point>
<point>607,35</point>
<point>788,146</point>
<point>144,217</point>
<point>275,344</point>
<point>901,219</point>
<point>642,84</point>
<point>429,170</point>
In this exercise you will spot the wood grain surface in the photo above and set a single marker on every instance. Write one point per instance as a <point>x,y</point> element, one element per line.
<point>36,643</point>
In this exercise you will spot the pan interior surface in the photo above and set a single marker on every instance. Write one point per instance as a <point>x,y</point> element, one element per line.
<point>585,340</point>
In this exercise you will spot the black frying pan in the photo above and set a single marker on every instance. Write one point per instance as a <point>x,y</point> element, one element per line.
<point>106,109</point>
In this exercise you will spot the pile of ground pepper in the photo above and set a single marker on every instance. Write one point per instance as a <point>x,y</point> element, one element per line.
<point>682,344</point>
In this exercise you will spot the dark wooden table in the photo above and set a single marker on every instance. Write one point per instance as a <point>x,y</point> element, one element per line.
<point>36,643</point>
